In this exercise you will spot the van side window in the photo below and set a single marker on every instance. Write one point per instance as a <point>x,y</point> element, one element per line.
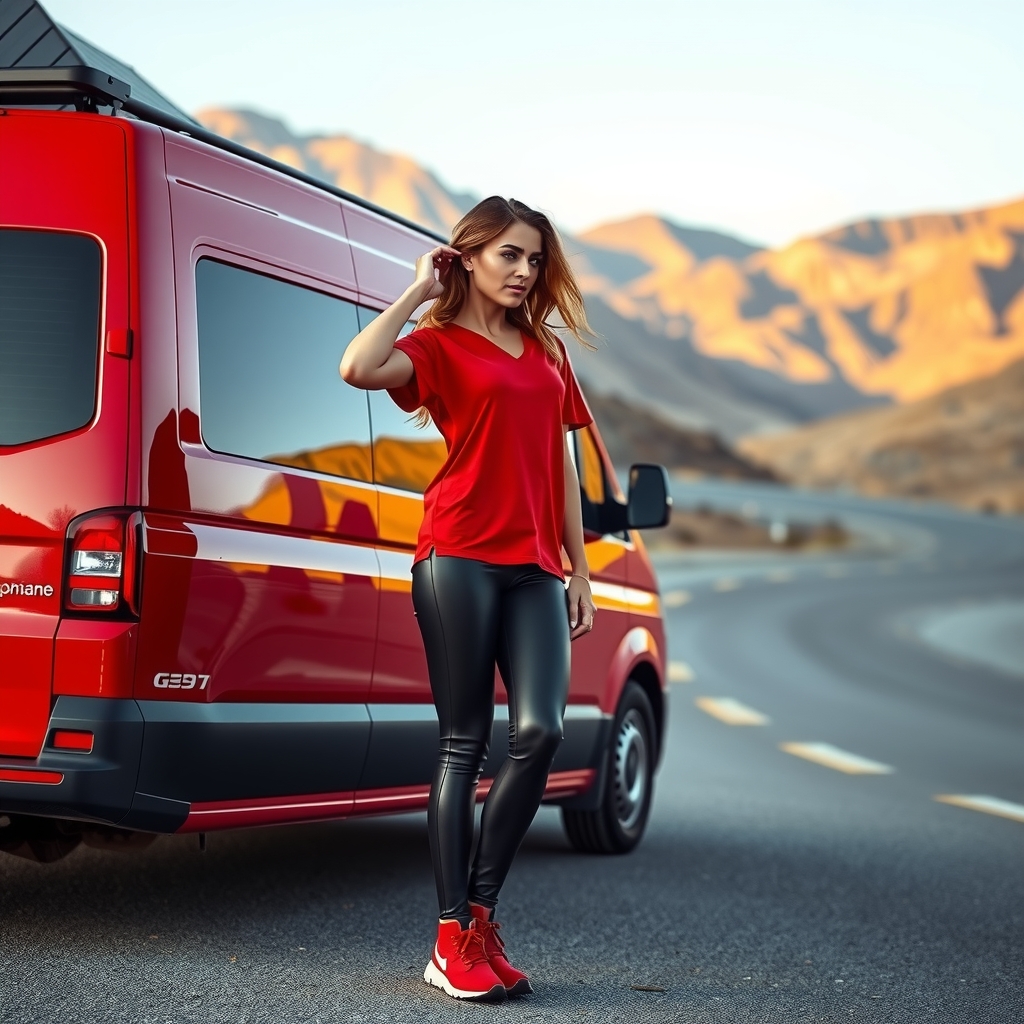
<point>590,468</point>
<point>405,455</point>
<point>49,333</point>
<point>269,387</point>
<point>592,483</point>
<point>594,487</point>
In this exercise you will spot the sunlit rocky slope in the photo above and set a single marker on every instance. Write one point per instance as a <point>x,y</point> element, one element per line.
<point>899,308</point>
<point>964,445</point>
<point>710,331</point>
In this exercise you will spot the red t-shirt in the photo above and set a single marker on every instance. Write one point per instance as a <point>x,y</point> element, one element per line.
<point>500,495</point>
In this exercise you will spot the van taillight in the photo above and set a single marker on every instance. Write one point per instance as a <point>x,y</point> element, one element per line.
<point>102,563</point>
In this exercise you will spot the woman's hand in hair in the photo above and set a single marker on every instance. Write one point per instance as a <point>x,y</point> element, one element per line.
<point>431,269</point>
<point>371,360</point>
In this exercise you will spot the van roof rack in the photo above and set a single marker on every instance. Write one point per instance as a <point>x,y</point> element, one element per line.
<point>31,39</point>
<point>84,87</point>
<point>44,64</point>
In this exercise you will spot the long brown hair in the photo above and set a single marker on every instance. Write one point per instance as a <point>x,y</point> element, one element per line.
<point>555,289</point>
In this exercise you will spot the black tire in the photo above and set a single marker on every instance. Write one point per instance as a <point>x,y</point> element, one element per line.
<point>618,824</point>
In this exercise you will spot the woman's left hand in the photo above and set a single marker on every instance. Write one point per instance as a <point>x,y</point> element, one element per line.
<point>581,607</point>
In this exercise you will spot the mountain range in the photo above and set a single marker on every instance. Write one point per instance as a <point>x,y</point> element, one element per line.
<point>964,445</point>
<point>714,332</point>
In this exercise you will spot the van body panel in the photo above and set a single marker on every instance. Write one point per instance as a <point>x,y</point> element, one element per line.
<point>265,581</point>
<point>606,557</point>
<point>218,199</point>
<point>384,252</point>
<point>154,363</point>
<point>250,615</point>
<point>49,480</point>
<point>405,460</point>
<point>26,652</point>
<point>197,753</point>
<point>276,672</point>
<point>403,745</point>
<point>625,559</point>
<point>95,659</point>
<point>400,671</point>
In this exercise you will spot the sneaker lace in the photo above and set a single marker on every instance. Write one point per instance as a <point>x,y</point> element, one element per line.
<point>470,946</point>
<point>489,930</point>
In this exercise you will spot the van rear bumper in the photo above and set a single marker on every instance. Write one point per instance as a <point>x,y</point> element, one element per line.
<point>94,786</point>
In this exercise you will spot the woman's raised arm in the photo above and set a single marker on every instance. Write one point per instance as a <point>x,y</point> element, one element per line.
<point>371,360</point>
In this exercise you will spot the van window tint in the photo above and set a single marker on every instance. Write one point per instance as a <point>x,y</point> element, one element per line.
<point>49,333</point>
<point>590,467</point>
<point>590,470</point>
<point>268,373</point>
<point>405,455</point>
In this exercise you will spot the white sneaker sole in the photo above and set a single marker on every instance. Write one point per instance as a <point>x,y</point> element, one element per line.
<point>433,975</point>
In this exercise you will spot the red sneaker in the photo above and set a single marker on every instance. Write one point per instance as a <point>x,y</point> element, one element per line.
<point>516,983</point>
<point>459,964</point>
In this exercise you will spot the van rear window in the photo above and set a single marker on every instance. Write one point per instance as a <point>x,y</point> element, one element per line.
<point>49,333</point>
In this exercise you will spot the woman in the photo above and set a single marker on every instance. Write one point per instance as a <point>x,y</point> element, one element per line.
<point>487,578</point>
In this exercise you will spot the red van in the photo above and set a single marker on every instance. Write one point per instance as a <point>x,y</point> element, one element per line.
<point>206,535</point>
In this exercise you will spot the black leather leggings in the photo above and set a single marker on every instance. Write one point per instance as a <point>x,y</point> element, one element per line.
<point>472,614</point>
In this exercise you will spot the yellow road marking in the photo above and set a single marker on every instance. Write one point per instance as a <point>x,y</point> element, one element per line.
<point>677,598</point>
<point>832,757</point>
<point>779,576</point>
<point>985,804</point>
<point>730,711</point>
<point>727,584</point>
<point>679,672</point>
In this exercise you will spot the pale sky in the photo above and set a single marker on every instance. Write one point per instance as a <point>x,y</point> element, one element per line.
<point>764,118</point>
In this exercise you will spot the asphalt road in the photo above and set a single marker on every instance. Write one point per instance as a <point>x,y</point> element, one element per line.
<point>769,887</point>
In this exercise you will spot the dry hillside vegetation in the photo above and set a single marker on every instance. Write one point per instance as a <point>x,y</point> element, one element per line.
<point>633,434</point>
<point>964,445</point>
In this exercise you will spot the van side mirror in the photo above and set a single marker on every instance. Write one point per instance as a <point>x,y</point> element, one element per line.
<point>650,502</point>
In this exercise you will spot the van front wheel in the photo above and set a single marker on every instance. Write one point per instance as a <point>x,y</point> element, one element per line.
<point>618,824</point>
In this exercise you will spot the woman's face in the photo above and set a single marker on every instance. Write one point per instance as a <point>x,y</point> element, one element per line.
<point>508,266</point>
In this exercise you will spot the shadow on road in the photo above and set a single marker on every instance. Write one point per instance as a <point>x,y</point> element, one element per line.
<point>799,913</point>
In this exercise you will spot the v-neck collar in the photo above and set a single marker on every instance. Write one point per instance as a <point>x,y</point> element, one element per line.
<point>493,344</point>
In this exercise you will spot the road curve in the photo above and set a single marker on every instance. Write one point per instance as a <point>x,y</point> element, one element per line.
<point>800,869</point>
